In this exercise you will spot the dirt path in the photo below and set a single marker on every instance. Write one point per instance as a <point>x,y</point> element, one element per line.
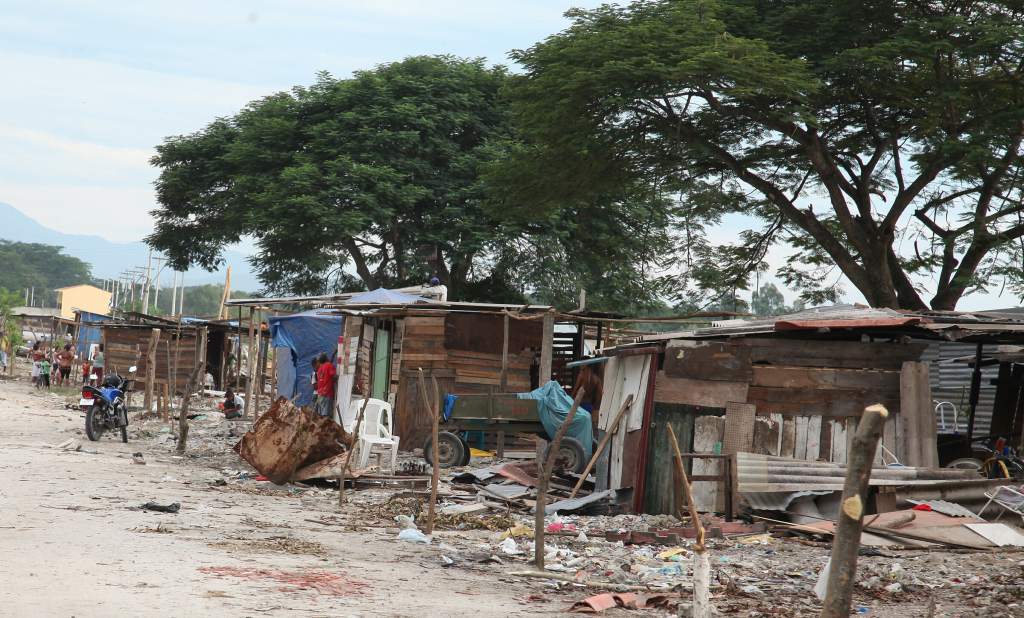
<point>74,542</point>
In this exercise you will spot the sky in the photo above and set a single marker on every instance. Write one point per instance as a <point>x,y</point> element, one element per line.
<point>90,87</point>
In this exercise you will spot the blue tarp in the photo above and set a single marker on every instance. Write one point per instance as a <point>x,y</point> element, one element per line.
<point>553,406</point>
<point>384,297</point>
<point>88,335</point>
<point>307,335</point>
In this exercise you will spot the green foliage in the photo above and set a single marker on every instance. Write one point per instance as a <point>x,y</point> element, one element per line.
<point>200,300</point>
<point>44,267</point>
<point>879,140</point>
<point>767,300</point>
<point>10,328</point>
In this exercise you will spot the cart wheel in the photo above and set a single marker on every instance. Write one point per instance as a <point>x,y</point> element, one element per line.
<point>451,450</point>
<point>571,456</point>
<point>468,455</point>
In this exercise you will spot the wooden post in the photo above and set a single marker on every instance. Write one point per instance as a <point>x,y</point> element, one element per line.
<point>433,408</point>
<point>545,477</point>
<point>351,452</point>
<point>504,361</point>
<point>701,564</point>
<point>843,563</point>
<point>546,349</point>
<point>154,341</point>
<point>250,366</point>
<point>258,380</point>
<point>197,372</point>
<point>603,443</point>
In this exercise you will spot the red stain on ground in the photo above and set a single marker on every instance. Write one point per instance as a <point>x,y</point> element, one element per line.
<point>324,582</point>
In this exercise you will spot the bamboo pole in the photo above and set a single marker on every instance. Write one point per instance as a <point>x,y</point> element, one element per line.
<point>545,477</point>
<point>351,452</point>
<point>603,443</point>
<point>843,562</point>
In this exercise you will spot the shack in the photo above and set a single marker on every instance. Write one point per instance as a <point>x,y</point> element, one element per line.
<point>794,387</point>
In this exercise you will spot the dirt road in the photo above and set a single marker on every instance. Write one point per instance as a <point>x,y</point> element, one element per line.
<point>74,542</point>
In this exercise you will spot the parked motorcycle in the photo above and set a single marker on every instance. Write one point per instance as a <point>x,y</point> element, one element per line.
<point>106,407</point>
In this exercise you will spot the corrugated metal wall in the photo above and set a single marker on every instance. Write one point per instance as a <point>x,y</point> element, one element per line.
<point>951,381</point>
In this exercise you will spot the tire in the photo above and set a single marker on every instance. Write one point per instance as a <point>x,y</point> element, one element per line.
<point>966,463</point>
<point>94,423</point>
<point>451,451</point>
<point>571,456</point>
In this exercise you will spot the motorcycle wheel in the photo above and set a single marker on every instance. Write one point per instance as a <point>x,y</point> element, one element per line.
<point>94,423</point>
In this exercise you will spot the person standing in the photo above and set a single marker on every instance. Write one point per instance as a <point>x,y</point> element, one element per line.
<point>98,363</point>
<point>64,360</point>
<point>44,374</point>
<point>325,378</point>
<point>37,360</point>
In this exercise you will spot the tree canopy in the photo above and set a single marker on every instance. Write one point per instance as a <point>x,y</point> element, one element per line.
<point>879,138</point>
<point>377,180</point>
<point>43,267</point>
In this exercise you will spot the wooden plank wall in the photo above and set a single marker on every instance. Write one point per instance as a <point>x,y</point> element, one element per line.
<point>127,346</point>
<point>808,395</point>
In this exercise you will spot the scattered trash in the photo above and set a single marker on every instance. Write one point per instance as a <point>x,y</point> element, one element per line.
<point>137,458</point>
<point>413,535</point>
<point>173,507</point>
<point>321,582</point>
<point>509,547</point>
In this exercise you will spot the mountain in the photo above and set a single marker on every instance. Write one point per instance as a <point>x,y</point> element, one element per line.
<point>108,258</point>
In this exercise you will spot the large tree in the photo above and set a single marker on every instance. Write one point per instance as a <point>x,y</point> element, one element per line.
<point>882,138</point>
<point>376,175</point>
<point>43,267</point>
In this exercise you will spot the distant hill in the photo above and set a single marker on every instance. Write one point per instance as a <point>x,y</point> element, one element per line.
<point>109,258</point>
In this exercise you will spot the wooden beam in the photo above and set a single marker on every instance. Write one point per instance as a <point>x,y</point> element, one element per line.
<point>250,366</point>
<point>546,349</point>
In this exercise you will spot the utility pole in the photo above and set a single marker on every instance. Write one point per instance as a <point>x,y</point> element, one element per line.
<point>181,295</point>
<point>145,287</point>
<point>174,291</point>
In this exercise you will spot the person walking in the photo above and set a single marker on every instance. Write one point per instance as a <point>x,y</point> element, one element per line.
<point>37,360</point>
<point>325,378</point>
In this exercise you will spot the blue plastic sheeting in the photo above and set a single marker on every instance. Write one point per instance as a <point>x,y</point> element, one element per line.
<point>307,335</point>
<point>553,406</point>
<point>88,335</point>
<point>384,297</point>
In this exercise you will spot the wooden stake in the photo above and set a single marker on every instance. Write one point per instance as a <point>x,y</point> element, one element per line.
<point>546,350</point>
<point>250,366</point>
<point>545,477</point>
<point>154,341</point>
<point>843,569</point>
<point>198,371</point>
<point>603,443</point>
<point>434,409</point>
<point>352,451</point>
<point>701,565</point>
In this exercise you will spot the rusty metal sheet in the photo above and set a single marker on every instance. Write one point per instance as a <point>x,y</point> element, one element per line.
<point>330,468</point>
<point>287,438</point>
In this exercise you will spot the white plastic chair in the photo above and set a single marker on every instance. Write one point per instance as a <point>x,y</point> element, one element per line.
<point>1008,497</point>
<point>377,432</point>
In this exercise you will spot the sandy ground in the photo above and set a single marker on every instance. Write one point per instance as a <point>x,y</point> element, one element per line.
<point>74,542</point>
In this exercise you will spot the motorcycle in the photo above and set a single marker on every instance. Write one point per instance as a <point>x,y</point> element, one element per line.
<point>105,406</point>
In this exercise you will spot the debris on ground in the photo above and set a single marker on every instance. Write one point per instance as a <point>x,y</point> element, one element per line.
<point>173,507</point>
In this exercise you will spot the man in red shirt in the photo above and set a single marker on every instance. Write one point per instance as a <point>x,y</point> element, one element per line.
<point>325,378</point>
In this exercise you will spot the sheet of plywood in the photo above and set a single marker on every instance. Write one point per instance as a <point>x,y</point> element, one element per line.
<point>999,534</point>
<point>707,438</point>
<point>767,434</point>
<point>918,417</point>
<point>739,428</point>
<point>710,393</point>
<point>707,360</point>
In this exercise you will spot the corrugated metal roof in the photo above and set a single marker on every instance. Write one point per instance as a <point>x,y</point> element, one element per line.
<point>951,382</point>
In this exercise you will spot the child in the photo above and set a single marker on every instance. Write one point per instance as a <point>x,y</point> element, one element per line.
<point>86,368</point>
<point>233,405</point>
<point>44,374</point>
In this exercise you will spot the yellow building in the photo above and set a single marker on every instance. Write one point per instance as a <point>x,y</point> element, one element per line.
<point>85,297</point>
